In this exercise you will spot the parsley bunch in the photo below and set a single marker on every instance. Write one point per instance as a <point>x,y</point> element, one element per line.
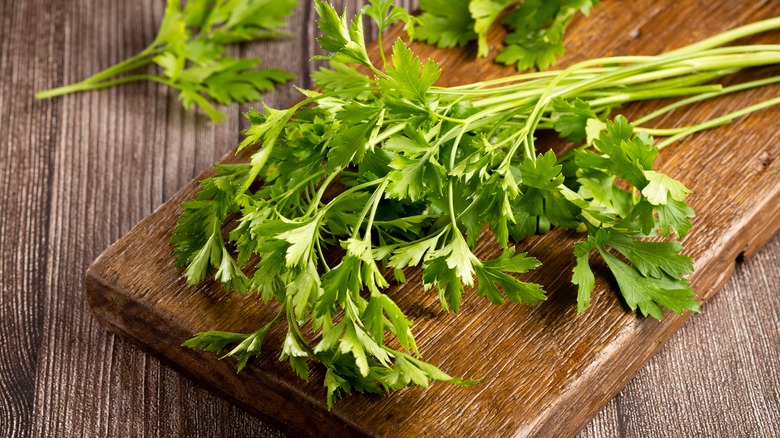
<point>190,48</point>
<point>536,27</point>
<point>380,171</point>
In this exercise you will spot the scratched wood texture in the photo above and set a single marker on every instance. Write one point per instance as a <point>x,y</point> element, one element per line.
<point>78,172</point>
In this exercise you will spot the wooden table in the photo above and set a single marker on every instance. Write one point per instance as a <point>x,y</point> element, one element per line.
<point>78,172</point>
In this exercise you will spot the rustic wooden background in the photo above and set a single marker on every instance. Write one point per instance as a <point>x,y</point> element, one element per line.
<point>78,172</point>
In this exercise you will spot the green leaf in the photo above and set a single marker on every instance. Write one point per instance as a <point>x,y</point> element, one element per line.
<point>449,288</point>
<point>445,23</point>
<point>661,188</point>
<point>336,283</point>
<point>494,273</point>
<point>401,324</point>
<point>350,343</point>
<point>485,13</point>
<point>253,15</point>
<point>249,345</point>
<point>303,290</point>
<point>582,275</point>
<point>460,259</point>
<point>674,216</point>
<point>238,81</point>
<point>571,118</point>
<point>190,46</point>
<point>267,128</point>
<point>337,386</point>
<point>350,83</point>
<point>407,76</point>
<point>384,13</point>
<point>230,274</point>
<point>349,145</point>
<point>629,155</point>
<point>413,179</point>
<point>543,173</point>
<point>345,42</point>
<point>413,253</point>
<point>538,27</point>
<point>648,294</point>
<point>214,341</point>
<point>601,191</point>
<point>653,259</point>
<point>301,238</point>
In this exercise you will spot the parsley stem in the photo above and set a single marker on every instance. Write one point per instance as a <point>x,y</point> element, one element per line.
<point>520,78</point>
<point>727,90</point>
<point>318,197</point>
<point>284,196</point>
<point>381,47</point>
<point>389,132</point>
<point>654,94</point>
<point>349,191</point>
<point>729,36</point>
<point>376,198</point>
<point>141,59</point>
<point>322,255</point>
<point>98,80</point>
<point>718,121</point>
<point>292,326</point>
<point>85,86</point>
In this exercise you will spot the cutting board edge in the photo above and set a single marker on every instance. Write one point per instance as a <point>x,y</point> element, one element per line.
<point>100,299</point>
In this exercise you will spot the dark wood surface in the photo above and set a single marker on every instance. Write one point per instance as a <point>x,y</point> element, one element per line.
<point>80,171</point>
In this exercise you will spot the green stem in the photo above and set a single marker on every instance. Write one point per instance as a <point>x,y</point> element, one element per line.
<point>381,48</point>
<point>375,199</point>
<point>728,36</point>
<point>654,94</point>
<point>722,120</point>
<point>98,80</point>
<point>387,134</point>
<point>702,97</point>
<point>106,84</point>
<point>292,325</point>
<point>351,190</point>
<point>318,197</point>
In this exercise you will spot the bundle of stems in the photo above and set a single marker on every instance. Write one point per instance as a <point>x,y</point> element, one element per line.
<point>423,170</point>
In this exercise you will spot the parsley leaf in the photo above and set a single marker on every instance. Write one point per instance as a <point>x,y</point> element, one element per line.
<point>383,172</point>
<point>190,49</point>
<point>445,23</point>
<point>537,27</point>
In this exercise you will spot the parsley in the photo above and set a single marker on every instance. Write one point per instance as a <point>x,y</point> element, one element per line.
<point>380,171</point>
<point>536,27</point>
<point>190,51</point>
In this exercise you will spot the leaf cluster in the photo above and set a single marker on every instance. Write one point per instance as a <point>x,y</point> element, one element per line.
<point>379,171</point>
<point>190,50</point>
<point>536,28</point>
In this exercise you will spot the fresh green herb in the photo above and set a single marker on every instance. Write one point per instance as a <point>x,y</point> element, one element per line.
<point>385,171</point>
<point>190,50</point>
<point>536,27</point>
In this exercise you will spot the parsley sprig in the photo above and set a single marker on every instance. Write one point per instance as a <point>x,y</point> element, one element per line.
<point>190,49</point>
<point>380,171</point>
<point>536,27</point>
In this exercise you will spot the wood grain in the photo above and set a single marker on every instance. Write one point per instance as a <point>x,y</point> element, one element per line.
<point>78,172</point>
<point>545,369</point>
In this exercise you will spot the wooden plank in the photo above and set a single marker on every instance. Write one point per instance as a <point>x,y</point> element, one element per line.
<point>545,369</point>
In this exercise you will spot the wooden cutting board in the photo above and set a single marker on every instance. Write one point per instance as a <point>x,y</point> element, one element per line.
<point>546,370</point>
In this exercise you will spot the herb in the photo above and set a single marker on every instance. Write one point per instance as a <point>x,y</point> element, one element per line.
<point>536,27</point>
<point>385,171</point>
<point>190,49</point>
